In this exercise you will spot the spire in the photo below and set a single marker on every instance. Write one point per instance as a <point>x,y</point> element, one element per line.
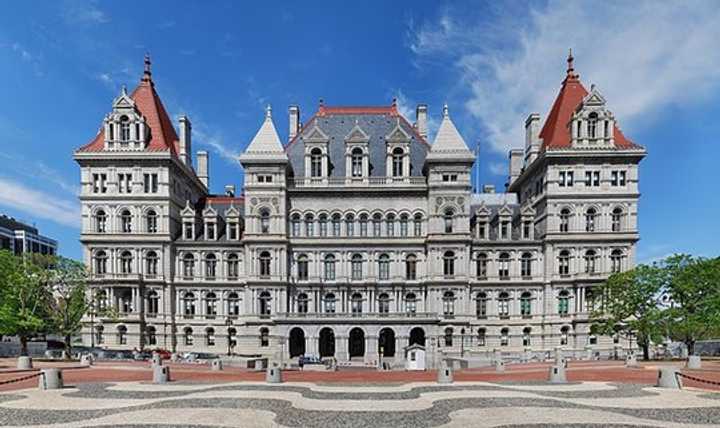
<point>268,112</point>
<point>449,144</point>
<point>571,75</point>
<point>147,73</point>
<point>446,112</point>
<point>266,145</point>
<point>123,91</point>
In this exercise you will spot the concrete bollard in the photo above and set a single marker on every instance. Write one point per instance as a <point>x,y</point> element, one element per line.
<point>694,362</point>
<point>50,379</point>
<point>557,374</point>
<point>631,360</point>
<point>273,373</point>
<point>588,354</point>
<point>668,378</point>
<point>216,365</point>
<point>161,374</point>
<point>500,366</point>
<point>156,359</point>
<point>86,360</point>
<point>445,373</point>
<point>24,363</point>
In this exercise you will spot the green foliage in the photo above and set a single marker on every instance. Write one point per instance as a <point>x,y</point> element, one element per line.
<point>68,281</point>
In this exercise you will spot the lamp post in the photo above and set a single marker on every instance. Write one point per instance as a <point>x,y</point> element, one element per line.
<point>462,342</point>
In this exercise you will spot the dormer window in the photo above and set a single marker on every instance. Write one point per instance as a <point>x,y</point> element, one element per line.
<point>397,162</point>
<point>316,163</point>
<point>357,162</point>
<point>210,231</point>
<point>592,125</point>
<point>232,230</point>
<point>188,230</point>
<point>124,129</point>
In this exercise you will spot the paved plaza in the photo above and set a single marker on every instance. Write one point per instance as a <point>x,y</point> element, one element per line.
<point>119,394</point>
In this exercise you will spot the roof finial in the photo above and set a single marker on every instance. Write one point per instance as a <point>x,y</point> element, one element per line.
<point>268,112</point>
<point>445,110</point>
<point>147,73</point>
<point>123,90</point>
<point>321,102</point>
<point>570,67</point>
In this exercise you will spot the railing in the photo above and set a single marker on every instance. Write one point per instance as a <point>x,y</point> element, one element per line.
<point>356,181</point>
<point>336,315</point>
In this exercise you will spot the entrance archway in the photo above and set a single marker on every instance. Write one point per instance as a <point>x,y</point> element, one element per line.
<point>327,342</point>
<point>417,336</point>
<point>356,343</point>
<point>297,342</point>
<point>386,341</point>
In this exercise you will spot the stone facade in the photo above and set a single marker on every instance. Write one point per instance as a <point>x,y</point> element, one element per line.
<point>357,237</point>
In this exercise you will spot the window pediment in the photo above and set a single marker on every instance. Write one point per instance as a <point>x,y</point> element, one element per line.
<point>315,135</point>
<point>357,135</point>
<point>398,135</point>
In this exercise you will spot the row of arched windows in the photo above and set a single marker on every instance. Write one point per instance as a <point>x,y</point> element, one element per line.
<point>336,225</point>
<point>481,336</point>
<point>125,219</point>
<point>591,261</point>
<point>356,163</point>
<point>211,302</point>
<point>503,265</point>
<point>126,263</point>
<point>211,269</point>
<point>330,303</point>
<point>591,218</point>
<point>357,267</point>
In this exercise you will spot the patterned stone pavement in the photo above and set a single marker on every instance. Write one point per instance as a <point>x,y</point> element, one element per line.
<point>420,404</point>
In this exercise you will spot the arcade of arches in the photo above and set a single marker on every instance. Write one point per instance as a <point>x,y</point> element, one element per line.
<point>357,345</point>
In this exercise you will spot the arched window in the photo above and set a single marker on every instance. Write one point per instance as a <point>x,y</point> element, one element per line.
<point>124,129</point>
<point>363,224</point>
<point>188,266</point>
<point>151,263</point>
<point>210,305</point>
<point>151,221</point>
<point>189,304</point>
<point>329,303</point>
<point>590,261</point>
<point>404,225</point>
<point>264,337</point>
<point>357,162</point>
<point>564,220</point>
<point>100,221</point>
<point>504,305</point>
<point>188,336</point>
<point>309,225</point>
<point>590,218</point>
<point>101,300</point>
<point>265,264</point>
<point>209,336</point>
<point>233,304</point>
<point>504,337</point>
<point>384,267</point>
<point>99,336</point>
<point>322,223</point>
<point>397,162</point>
<point>526,304</point>
<point>126,221</point>
<point>590,299</point>
<point>126,303</point>
<point>302,267</point>
<point>411,267</point>
<point>126,262</point>
<point>592,125</point>
<point>210,266</point>
<point>336,224</point>
<point>504,266</point>
<point>329,267</point>
<point>564,335</point>
<point>481,266</point>
<point>390,225</point>
<point>356,268</point>
<point>481,337</point>
<point>448,303</point>
<point>417,225</point>
<point>563,303</point>
<point>449,264</point>
<point>564,262</point>
<point>316,163</point>
<point>122,335</point>
<point>350,225</point>
<point>448,217</point>
<point>295,225</point>
<point>617,216</point>
<point>101,262</point>
<point>356,303</point>
<point>264,303</point>
<point>410,303</point>
<point>526,336</point>
<point>383,303</point>
<point>233,266</point>
<point>302,303</point>
<point>526,265</point>
<point>264,221</point>
<point>616,261</point>
<point>448,337</point>
<point>377,220</point>
<point>481,302</point>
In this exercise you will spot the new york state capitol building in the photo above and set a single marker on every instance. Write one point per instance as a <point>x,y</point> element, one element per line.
<point>358,236</point>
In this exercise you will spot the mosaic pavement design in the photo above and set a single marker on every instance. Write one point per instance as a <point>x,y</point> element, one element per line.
<point>254,404</point>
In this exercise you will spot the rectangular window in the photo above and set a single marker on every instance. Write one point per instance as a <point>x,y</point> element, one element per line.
<point>505,230</point>
<point>527,229</point>
<point>150,183</point>
<point>482,230</point>
<point>210,231</point>
<point>617,178</point>
<point>566,179</point>
<point>124,183</point>
<point>232,230</point>
<point>592,178</point>
<point>188,233</point>
<point>99,183</point>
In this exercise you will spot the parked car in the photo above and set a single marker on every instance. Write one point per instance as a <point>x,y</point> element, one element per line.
<point>197,356</point>
<point>164,353</point>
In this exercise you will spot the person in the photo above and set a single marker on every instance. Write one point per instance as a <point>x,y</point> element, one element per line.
<point>301,361</point>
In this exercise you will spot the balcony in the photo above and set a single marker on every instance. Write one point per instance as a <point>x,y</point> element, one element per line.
<point>355,315</point>
<point>356,182</point>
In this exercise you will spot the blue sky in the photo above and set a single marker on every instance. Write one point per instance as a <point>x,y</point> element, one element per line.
<point>222,62</point>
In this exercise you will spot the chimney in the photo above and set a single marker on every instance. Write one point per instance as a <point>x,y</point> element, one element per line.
<point>202,167</point>
<point>185,140</point>
<point>516,164</point>
<point>532,138</point>
<point>294,114</point>
<point>230,190</point>
<point>421,120</point>
<point>488,188</point>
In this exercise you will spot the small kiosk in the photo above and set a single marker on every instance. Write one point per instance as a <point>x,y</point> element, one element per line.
<point>415,357</point>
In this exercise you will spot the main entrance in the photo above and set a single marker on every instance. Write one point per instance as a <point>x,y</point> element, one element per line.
<point>386,341</point>
<point>297,342</point>
<point>327,342</point>
<point>417,336</point>
<point>356,343</point>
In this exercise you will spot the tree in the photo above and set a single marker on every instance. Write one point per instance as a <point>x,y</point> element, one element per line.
<point>693,295</point>
<point>631,306</point>
<point>24,297</point>
<point>68,305</point>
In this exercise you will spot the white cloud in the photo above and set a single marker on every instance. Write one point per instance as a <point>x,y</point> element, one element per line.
<point>39,204</point>
<point>642,57</point>
<point>217,144</point>
<point>498,168</point>
<point>35,169</point>
<point>84,12</point>
<point>406,106</point>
